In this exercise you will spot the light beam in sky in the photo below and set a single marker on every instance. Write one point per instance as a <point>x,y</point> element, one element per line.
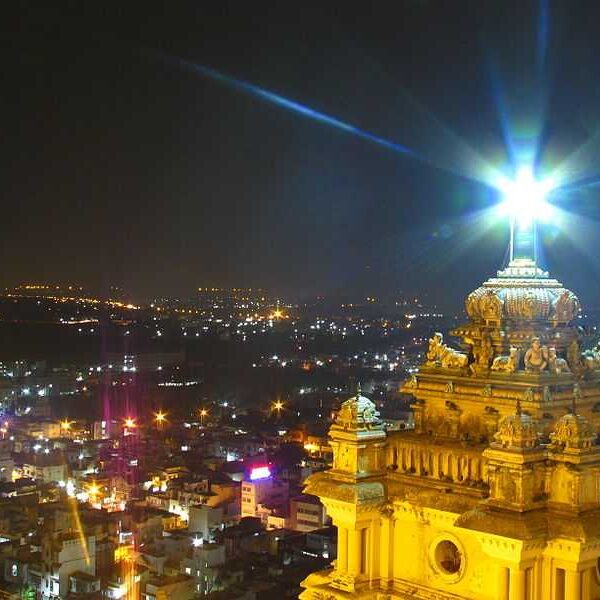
<point>471,165</point>
<point>524,197</point>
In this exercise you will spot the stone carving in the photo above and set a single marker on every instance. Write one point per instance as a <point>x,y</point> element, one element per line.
<point>439,354</point>
<point>436,349</point>
<point>566,307</point>
<point>506,488</point>
<point>358,413</point>
<point>490,306</point>
<point>556,364</point>
<point>507,364</point>
<point>453,359</point>
<point>573,432</point>
<point>502,298</point>
<point>591,359</point>
<point>517,431</point>
<point>574,356</point>
<point>577,396</point>
<point>387,510</point>
<point>528,395</point>
<point>529,306</point>
<point>341,581</point>
<point>484,304</point>
<point>536,357</point>
<point>412,383</point>
<point>472,305</point>
<point>484,352</point>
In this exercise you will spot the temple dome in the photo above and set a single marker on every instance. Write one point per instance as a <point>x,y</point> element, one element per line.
<point>573,432</point>
<point>531,299</point>
<point>358,412</point>
<point>517,431</point>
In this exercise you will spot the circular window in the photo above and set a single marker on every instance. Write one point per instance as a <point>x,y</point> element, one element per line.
<point>448,558</point>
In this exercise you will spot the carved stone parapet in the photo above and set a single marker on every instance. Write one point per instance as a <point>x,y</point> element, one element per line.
<point>419,413</point>
<point>452,416</point>
<point>343,581</point>
<point>491,418</point>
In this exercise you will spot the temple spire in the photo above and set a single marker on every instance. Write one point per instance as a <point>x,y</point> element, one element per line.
<point>523,243</point>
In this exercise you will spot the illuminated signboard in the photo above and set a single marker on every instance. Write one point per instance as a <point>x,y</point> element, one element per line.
<point>259,473</point>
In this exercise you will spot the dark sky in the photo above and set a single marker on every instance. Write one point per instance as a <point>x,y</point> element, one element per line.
<point>122,167</point>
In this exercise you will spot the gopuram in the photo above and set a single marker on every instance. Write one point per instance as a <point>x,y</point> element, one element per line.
<point>495,492</point>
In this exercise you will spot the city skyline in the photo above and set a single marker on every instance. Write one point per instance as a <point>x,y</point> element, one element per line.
<point>178,179</point>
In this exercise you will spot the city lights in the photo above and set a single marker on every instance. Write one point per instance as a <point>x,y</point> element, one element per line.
<point>468,465</point>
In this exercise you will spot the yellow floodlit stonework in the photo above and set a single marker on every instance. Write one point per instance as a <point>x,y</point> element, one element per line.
<point>495,492</point>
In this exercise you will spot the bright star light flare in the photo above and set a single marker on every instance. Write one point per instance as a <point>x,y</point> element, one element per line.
<point>525,197</point>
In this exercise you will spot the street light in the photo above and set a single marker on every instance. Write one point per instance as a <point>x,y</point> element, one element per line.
<point>203,413</point>
<point>130,423</point>
<point>278,406</point>
<point>160,418</point>
<point>66,425</point>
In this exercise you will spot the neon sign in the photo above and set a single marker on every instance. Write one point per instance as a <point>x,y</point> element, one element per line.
<point>260,473</point>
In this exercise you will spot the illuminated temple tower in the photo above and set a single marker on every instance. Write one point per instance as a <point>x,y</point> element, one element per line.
<point>495,494</point>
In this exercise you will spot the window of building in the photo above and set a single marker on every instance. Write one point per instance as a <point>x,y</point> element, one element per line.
<point>448,557</point>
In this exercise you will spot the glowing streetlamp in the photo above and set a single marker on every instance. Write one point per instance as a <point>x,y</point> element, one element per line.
<point>278,407</point>
<point>93,491</point>
<point>203,413</point>
<point>160,418</point>
<point>66,425</point>
<point>129,423</point>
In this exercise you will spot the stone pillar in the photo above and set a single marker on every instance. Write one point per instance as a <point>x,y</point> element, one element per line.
<point>546,587</point>
<point>342,549</point>
<point>435,465</point>
<point>385,550</point>
<point>517,584</point>
<point>573,585</point>
<point>355,551</point>
<point>503,582</point>
<point>374,549</point>
<point>586,583</point>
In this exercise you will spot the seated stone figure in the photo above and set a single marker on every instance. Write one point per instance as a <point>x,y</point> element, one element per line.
<point>556,364</point>
<point>536,358</point>
<point>436,349</point>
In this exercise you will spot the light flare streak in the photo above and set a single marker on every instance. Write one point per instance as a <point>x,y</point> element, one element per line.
<point>74,508</point>
<point>470,164</point>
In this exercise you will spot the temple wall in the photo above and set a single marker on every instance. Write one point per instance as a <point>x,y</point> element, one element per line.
<point>443,461</point>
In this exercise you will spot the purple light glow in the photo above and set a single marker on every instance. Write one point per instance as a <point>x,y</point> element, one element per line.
<point>260,473</point>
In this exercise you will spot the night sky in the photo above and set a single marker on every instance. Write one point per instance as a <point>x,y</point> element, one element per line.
<point>124,166</point>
